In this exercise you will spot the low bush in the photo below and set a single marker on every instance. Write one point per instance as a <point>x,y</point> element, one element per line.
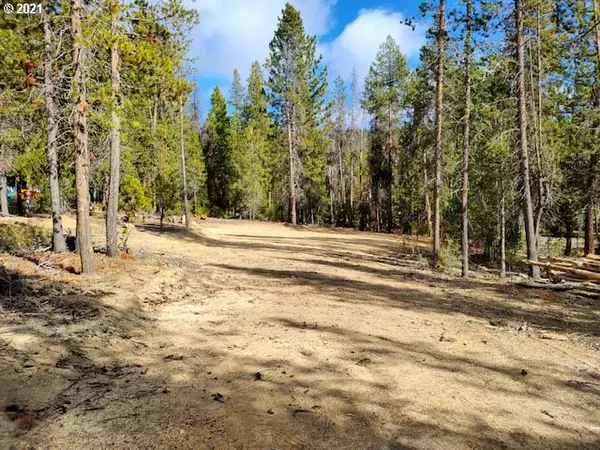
<point>449,257</point>
<point>21,236</point>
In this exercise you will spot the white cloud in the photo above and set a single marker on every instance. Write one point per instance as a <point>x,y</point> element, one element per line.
<point>234,33</point>
<point>359,42</point>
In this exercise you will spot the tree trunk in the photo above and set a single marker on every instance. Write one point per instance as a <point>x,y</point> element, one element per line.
<point>568,238</point>
<point>186,207</point>
<point>543,189</point>
<point>530,235</point>
<point>389,182</point>
<point>58,239</point>
<point>80,133</point>
<point>112,208</point>
<point>3,191</point>
<point>466,141</point>
<point>439,128</point>
<point>426,188</point>
<point>342,184</point>
<point>351,181</point>
<point>502,238</point>
<point>590,213</point>
<point>292,176</point>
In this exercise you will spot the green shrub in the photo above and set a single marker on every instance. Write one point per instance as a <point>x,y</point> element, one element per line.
<point>449,257</point>
<point>133,198</point>
<point>23,237</point>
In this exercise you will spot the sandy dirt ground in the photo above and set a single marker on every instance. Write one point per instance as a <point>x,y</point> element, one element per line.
<point>238,335</point>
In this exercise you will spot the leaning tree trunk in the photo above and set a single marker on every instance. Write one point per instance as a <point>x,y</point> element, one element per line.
<point>439,129</point>
<point>186,207</point>
<point>112,209</point>
<point>465,153</point>
<point>80,133</point>
<point>530,235</point>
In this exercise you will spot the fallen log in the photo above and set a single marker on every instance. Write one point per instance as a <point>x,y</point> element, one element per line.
<point>591,265</point>
<point>593,257</point>
<point>580,273</point>
<point>586,294</point>
<point>551,286</point>
<point>586,289</point>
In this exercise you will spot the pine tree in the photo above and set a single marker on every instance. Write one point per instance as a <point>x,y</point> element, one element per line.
<point>383,98</point>
<point>262,166</point>
<point>239,153</point>
<point>339,145</point>
<point>288,87</point>
<point>217,154</point>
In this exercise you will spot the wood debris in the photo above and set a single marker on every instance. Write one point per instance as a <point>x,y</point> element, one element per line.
<point>580,276</point>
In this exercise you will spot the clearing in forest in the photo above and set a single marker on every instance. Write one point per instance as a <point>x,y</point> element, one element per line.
<point>238,335</point>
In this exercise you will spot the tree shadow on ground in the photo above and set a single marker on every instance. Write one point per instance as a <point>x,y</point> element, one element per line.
<point>136,396</point>
<point>552,311</point>
<point>564,317</point>
<point>47,324</point>
<point>318,406</point>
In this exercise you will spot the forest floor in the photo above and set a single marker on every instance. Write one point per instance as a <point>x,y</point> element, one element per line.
<point>238,335</point>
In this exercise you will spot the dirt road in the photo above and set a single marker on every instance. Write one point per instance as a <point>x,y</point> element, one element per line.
<point>240,335</point>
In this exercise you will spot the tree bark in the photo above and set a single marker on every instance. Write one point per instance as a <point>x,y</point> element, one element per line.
<point>80,133</point>
<point>466,142</point>
<point>186,207</point>
<point>532,253</point>
<point>439,129</point>
<point>112,209</point>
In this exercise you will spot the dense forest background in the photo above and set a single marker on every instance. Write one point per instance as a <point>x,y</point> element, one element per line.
<point>489,142</point>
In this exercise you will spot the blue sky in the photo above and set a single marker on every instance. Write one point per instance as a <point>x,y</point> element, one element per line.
<point>233,33</point>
